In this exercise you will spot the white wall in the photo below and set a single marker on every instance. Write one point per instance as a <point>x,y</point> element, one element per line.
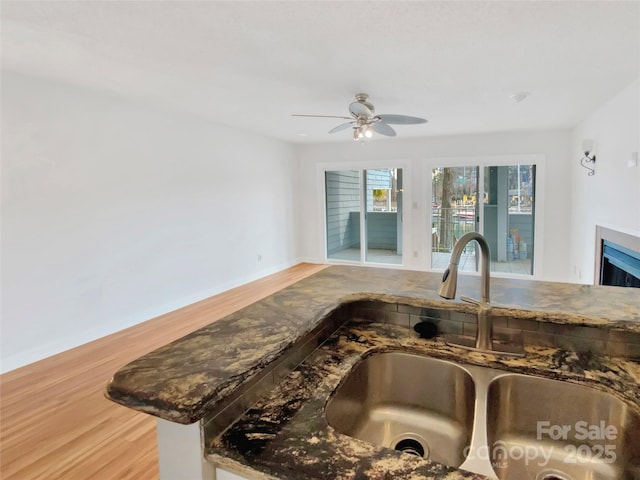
<point>611,197</point>
<point>114,212</point>
<point>422,154</point>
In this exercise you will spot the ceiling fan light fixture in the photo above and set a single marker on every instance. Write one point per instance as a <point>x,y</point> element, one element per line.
<point>361,132</point>
<point>364,121</point>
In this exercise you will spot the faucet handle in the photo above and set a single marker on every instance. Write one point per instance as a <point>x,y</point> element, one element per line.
<point>470,300</point>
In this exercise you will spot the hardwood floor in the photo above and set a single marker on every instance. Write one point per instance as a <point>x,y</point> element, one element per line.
<point>54,420</point>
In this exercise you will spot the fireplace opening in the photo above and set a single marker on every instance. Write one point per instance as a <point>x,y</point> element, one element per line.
<point>617,261</point>
<point>619,266</point>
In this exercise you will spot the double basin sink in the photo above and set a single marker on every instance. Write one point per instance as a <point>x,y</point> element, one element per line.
<point>499,424</point>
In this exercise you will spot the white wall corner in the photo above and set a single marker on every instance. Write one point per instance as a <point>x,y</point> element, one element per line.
<point>611,196</point>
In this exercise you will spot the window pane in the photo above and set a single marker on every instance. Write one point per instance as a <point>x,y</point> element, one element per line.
<point>384,215</point>
<point>343,214</point>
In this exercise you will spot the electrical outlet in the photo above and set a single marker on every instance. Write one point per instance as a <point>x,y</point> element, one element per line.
<point>415,254</point>
<point>259,257</point>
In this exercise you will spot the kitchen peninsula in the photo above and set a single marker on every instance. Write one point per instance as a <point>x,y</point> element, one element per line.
<point>212,375</point>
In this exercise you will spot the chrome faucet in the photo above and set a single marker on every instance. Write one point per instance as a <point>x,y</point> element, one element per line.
<point>450,278</point>
<point>483,341</point>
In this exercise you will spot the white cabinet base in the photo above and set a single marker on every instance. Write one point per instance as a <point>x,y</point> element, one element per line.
<point>180,452</point>
<point>224,475</point>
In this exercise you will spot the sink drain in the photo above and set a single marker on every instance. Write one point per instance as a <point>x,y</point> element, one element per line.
<point>411,447</point>
<point>553,475</point>
<point>411,444</point>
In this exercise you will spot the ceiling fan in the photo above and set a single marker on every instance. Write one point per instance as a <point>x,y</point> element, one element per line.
<point>364,121</point>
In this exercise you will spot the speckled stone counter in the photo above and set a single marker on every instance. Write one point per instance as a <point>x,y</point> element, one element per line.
<point>196,374</point>
<point>286,436</point>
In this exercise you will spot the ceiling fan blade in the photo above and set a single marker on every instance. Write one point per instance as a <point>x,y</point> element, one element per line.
<point>322,116</point>
<point>360,110</point>
<point>341,127</point>
<point>383,129</point>
<point>401,119</point>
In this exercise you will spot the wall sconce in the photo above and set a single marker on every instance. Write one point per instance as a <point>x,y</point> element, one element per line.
<point>589,156</point>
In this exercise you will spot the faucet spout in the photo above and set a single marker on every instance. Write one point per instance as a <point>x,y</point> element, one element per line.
<point>450,277</point>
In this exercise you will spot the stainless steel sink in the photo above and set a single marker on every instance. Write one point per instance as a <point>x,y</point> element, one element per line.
<point>566,431</point>
<point>503,425</point>
<point>415,404</point>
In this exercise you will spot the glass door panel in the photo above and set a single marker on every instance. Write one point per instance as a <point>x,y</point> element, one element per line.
<point>509,217</point>
<point>454,212</point>
<point>383,220</point>
<point>342,193</point>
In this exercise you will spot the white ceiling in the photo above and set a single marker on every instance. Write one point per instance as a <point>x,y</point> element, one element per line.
<point>252,64</point>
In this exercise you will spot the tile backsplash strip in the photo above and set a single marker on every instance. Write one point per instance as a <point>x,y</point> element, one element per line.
<point>534,331</point>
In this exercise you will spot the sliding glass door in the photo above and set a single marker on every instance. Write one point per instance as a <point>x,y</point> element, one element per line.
<point>376,236</point>
<point>503,210</point>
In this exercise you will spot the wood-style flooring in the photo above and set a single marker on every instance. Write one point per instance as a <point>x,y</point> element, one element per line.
<point>55,422</point>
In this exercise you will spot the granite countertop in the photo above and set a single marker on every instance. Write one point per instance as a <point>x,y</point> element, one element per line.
<point>196,374</point>
<point>286,436</point>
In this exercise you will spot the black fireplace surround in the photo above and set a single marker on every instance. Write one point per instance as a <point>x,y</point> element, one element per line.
<point>619,266</point>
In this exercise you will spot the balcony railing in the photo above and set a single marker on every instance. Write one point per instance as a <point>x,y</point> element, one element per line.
<point>449,224</point>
